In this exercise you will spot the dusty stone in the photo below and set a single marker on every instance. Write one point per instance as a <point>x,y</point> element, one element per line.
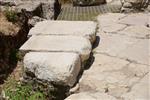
<point>113,28</point>
<point>109,18</point>
<point>113,44</point>
<point>143,90</point>
<point>59,44</point>
<point>137,52</point>
<point>136,70</point>
<point>90,96</point>
<point>74,28</point>
<point>135,19</point>
<point>136,31</point>
<point>48,66</point>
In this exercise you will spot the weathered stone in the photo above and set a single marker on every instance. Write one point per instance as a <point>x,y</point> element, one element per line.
<point>90,96</point>
<point>109,18</point>
<point>48,66</point>
<point>142,87</point>
<point>113,44</point>
<point>109,74</point>
<point>136,31</point>
<point>59,44</point>
<point>135,19</point>
<point>137,52</point>
<point>74,28</point>
<point>136,70</point>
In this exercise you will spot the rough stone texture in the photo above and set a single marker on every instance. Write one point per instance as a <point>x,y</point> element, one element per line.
<point>113,44</point>
<point>74,28</point>
<point>106,75</point>
<point>134,5</point>
<point>135,19</point>
<point>48,9</point>
<point>121,58</point>
<point>48,66</point>
<point>59,44</point>
<point>136,31</point>
<point>90,96</point>
<point>143,90</point>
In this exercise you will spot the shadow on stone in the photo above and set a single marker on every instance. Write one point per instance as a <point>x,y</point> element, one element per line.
<point>96,43</point>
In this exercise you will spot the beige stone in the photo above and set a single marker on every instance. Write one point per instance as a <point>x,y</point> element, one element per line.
<point>139,91</point>
<point>137,52</point>
<point>136,31</point>
<point>59,44</point>
<point>73,28</point>
<point>48,66</point>
<point>90,96</point>
<point>135,19</point>
<point>113,44</point>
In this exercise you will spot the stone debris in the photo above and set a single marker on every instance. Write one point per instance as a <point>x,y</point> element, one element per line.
<point>72,28</point>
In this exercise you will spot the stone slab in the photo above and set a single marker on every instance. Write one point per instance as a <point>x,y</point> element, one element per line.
<point>139,91</point>
<point>136,31</point>
<point>137,52</point>
<point>59,44</point>
<point>90,96</point>
<point>110,74</point>
<point>48,66</point>
<point>113,44</point>
<point>74,28</point>
<point>135,19</point>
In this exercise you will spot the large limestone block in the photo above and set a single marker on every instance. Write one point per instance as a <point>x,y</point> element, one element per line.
<point>91,96</point>
<point>139,91</point>
<point>75,28</point>
<point>61,68</point>
<point>59,44</point>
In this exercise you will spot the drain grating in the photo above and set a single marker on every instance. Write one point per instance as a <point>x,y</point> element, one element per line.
<point>86,13</point>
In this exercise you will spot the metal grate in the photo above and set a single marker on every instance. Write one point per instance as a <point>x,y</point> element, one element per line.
<point>86,13</point>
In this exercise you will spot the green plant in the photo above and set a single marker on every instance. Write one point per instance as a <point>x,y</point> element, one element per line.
<point>16,91</point>
<point>11,15</point>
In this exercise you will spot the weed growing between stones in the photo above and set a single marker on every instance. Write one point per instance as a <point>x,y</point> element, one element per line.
<point>11,15</point>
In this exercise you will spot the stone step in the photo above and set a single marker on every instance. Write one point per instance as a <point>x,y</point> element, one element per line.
<point>59,44</point>
<point>74,28</point>
<point>61,68</point>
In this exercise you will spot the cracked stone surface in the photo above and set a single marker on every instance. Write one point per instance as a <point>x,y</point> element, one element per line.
<point>121,59</point>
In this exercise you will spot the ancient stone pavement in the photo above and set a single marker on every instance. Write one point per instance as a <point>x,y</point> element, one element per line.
<point>57,50</point>
<point>120,70</point>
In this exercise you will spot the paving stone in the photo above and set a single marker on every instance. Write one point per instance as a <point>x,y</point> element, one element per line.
<point>106,75</point>
<point>135,19</point>
<point>107,19</point>
<point>139,91</point>
<point>113,28</point>
<point>113,44</point>
<point>137,52</point>
<point>136,31</point>
<point>136,70</point>
<point>59,44</point>
<point>48,66</point>
<point>75,28</point>
<point>90,96</point>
